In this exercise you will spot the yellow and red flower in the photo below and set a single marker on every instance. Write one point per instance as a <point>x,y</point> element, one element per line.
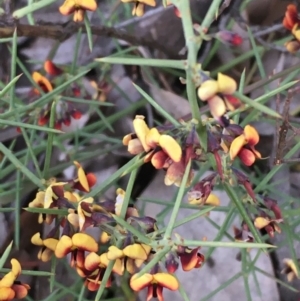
<point>78,7</point>
<point>243,234</point>
<point>190,258</point>
<point>77,245</point>
<point>176,170</point>
<point>229,37</point>
<point>47,199</point>
<point>218,94</point>
<point>42,82</point>
<point>290,269</point>
<point>291,21</point>
<point>94,269</point>
<point>10,288</point>
<point>52,69</point>
<point>155,284</point>
<point>267,223</point>
<point>89,215</point>
<point>160,148</point>
<point>243,146</point>
<point>139,6</point>
<point>291,17</point>
<point>84,181</point>
<point>132,256</point>
<point>47,245</point>
<point>201,192</point>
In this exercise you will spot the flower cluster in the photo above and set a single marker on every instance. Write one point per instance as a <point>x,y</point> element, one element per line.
<point>65,110</point>
<point>89,257</point>
<point>10,287</point>
<point>171,149</point>
<point>291,21</point>
<point>162,150</point>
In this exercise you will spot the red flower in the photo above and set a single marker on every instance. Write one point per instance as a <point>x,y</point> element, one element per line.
<point>291,17</point>
<point>243,146</point>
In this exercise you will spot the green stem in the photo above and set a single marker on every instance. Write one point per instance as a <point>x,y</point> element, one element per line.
<point>243,213</point>
<point>13,69</point>
<point>106,275</point>
<point>128,193</point>
<point>224,244</point>
<point>49,142</point>
<point>157,258</point>
<point>31,8</point>
<point>14,160</point>
<point>192,47</point>
<point>178,202</point>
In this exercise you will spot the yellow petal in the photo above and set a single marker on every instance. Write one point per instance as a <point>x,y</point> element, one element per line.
<point>50,243</point>
<point>296,32</point>
<point>251,135</point>
<point>73,219</point>
<point>118,267</point>
<point>71,196</point>
<point>226,84</point>
<point>135,251</point>
<point>217,106</point>
<point>36,239</point>
<point>85,242</point>
<point>6,293</point>
<point>148,2</point>
<point>141,129</point>
<point>167,281</point>
<point>78,15</point>
<point>114,253</point>
<point>63,247</point>
<point>15,267</point>
<point>83,179</point>
<point>139,283</point>
<point>135,147</point>
<point>42,81</point>
<point>38,202</point>
<point>48,197</point>
<point>104,237</point>
<point>127,139</point>
<point>291,264</point>
<point>171,147</point>
<point>236,146</point>
<point>138,9</point>
<point>45,255</point>
<point>92,261</point>
<point>152,138</point>
<point>292,46</point>
<point>67,8</point>
<point>130,265</point>
<point>87,4</point>
<point>212,200</point>
<point>7,280</point>
<point>261,222</point>
<point>208,89</point>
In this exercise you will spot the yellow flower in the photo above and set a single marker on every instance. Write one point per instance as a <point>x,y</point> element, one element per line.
<point>47,245</point>
<point>139,6</point>
<point>9,287</point>
<point>159,147</point>
<point>218,94</point>
<point>243,146</point>
<point>290,269</point>
<point>78,7</point>
<point>155,283</point>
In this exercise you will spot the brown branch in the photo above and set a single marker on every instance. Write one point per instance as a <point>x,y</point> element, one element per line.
<point>62,32</point>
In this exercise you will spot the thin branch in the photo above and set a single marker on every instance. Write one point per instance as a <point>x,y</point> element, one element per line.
<point>62,32</point>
